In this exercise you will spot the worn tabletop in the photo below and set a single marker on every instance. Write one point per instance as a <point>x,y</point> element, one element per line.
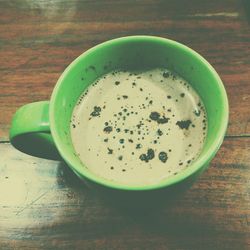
<point>42,204</point>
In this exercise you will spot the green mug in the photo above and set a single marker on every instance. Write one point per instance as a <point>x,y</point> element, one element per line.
<point>43,128</point>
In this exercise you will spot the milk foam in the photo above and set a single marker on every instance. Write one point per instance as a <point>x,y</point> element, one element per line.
<point>138,128</point>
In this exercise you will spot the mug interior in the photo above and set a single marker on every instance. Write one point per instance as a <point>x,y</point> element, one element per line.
<point>138,53</point>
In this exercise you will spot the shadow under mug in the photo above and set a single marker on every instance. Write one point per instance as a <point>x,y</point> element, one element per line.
<point>43,128</point>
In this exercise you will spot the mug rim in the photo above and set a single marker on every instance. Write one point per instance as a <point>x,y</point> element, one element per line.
<point>201,161</point>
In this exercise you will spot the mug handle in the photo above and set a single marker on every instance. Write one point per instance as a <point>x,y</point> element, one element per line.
<point>30,131</point>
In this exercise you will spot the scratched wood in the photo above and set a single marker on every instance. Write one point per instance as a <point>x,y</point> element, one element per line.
<point>44,206</point>
<point>38,39</point>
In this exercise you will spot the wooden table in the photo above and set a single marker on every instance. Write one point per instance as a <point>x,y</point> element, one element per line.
<point>42,204</point>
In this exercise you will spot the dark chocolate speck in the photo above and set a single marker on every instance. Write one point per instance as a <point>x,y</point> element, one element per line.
<point>183,124</point>
<point>96,111</point>
<point>143,157</point>
<point>163,120</point>
<point>108,129</point>
<point>165,74</point>
<point>163,156</point>
<point>159,132</point>
<point>110,151</point>
<point>149,156</point>
<point>197,112</point>
<point>154,116</point>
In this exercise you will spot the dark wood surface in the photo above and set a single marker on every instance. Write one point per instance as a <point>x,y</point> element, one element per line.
<point>43,205</point>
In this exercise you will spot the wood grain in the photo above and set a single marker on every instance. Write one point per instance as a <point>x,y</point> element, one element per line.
<point>38,39</point>
<point>44,206</point>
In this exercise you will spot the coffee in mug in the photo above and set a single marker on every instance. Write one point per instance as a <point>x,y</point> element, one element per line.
<point>138,127</point>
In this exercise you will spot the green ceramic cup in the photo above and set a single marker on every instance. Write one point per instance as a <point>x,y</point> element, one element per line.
<point>43,128</point>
